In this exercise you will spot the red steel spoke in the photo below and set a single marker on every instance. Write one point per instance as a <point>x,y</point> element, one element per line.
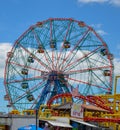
<point>38,97</point>
<point>86,70</point>
<point>63,41</point>
<point>39,84</point>
<point>36,37</point>
<point>84,35</point>
<point>25,79</point>
<point>51,38</point>
<point>28,67</point>
<point>43,64</point>
<point>77,60</point>
<point>87,83</point>
<point>39,43</point>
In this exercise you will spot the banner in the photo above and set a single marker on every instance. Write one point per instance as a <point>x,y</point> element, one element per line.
<point>77,110</point>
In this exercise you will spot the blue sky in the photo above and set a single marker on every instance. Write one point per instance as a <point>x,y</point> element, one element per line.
<point>17,15</point>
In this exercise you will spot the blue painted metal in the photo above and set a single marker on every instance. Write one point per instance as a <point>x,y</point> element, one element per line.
<point>56,84</point>
<point>29,127</point>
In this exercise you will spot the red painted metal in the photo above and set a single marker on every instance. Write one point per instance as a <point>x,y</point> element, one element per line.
<point>92,100</point>
<point>97,119</point>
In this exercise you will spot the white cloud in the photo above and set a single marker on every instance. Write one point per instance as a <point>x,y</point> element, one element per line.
<point>101,32</point>
<point>98,29</point>
<point>4,48</point>
<point>113,2</point>
<point>99,25</point>
<point>92,1</point>
<point>116,66</point>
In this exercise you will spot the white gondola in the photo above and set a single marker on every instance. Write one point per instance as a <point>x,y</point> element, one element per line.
<point>66,44</point>
<point>10,54</point>
<point>106,72</point>
<point>81,24</point>
<point>6,97</point>
<point>30,59</point>
<point>111,57</point>
<point>109,93</point>
<point>24,85</point>
<point>52,44</point>
<point>40,49</point>
<point>103,52</point>
<point>39,24</point>
<point>30,97</point>
<point>9,105</point>
<point>24,71</point>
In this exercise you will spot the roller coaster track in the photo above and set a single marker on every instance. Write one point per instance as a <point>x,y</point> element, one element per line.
<point>95,100</point>
<point>99,119</point>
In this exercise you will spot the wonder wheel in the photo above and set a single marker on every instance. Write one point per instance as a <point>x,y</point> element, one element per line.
<point>55,56</point>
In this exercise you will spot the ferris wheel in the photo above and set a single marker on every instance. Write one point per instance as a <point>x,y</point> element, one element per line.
<point>57,56</point>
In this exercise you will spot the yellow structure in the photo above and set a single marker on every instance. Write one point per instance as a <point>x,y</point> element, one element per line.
<point>113,101</point>
<point>104,117</point>
<point>14,112</point>
<point>28,112</point>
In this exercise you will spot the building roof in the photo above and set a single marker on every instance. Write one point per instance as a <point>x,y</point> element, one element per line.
<point>83,122</point>
<point>85,106</point>
<point>60,124</point>
<point>92,107</point>
<point>64,106</point>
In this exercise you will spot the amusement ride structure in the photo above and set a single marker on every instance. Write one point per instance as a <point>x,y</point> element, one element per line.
<point>55,57</point>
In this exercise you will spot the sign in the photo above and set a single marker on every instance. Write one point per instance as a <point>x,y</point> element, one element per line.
<point>77,110</point>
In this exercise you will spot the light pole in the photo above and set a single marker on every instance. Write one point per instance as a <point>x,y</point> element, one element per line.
<point>36,115</point>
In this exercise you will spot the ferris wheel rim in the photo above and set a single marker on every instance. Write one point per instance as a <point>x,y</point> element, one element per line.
<point>63,61</point>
